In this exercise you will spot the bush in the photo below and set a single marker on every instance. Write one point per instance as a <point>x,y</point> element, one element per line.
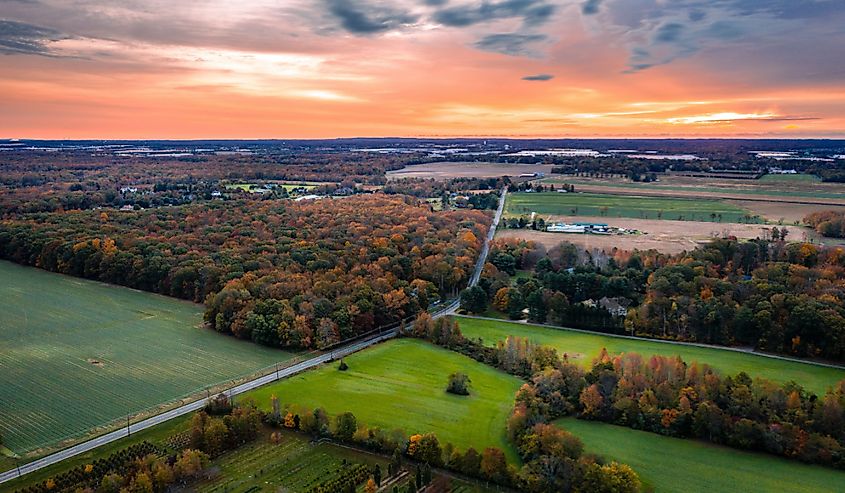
<point>458,384</point>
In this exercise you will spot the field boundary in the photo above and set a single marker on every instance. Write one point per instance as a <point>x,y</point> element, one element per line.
<point>677,343</point>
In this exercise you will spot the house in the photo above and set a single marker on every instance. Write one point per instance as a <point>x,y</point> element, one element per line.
<point>127,208</point>
<point>618,307</point>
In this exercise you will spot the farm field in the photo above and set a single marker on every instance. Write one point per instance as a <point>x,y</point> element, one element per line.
<point>293,465</point>
<point>448,170</point>
<point>401,384</point>
<point>666,236</point>
<point>78,354</point>
<point>782,187</point>
<point>583,347</point>
<point>672,464</point>
<point>591,204</point>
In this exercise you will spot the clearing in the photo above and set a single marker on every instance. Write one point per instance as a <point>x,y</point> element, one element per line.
<point>674,464</point>
<point>401,384</point>
<point>584,347</point>
<point>662,235</point>
<point>449,170</point>
<point>632,206</point>
<point>80,354</point>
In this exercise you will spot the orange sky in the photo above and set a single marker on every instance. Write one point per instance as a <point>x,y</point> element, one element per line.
<point>334,68</point>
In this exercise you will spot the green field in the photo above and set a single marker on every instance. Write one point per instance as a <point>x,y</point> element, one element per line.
<point>592,204</point>
<point>799,177</point>
<point>583,347</point>
<point>401,385</point>
<point>673,464</point>
<point>77,354</point>
<point>765,186</point>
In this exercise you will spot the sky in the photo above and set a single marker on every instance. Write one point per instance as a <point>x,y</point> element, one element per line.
<point>144,69</point>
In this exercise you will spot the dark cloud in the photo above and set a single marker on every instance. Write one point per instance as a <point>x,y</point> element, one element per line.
<point>510,43</point>
<point>360,18</point>
<point>532,13</point>
<point>659,32</point>
<point>539,77</point>
<point>669,33</point>
<point>590,7</point>
<point>27,39</point>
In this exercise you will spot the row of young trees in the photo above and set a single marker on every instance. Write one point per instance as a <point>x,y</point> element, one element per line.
<point>287,274</point>
<point>776,296</point>
<point>662,395</point>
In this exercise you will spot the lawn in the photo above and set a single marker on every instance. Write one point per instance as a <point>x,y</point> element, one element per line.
<point>584,347</point>
<point>594,204</point>
<point>673,464</point>
<point>78,354</point>
<point>401,385</point>
<point>798,177</point>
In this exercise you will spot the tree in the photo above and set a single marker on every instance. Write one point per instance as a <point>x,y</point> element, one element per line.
<point>370,486</point>
<point>345,426</point>
<point>425,448</point>
<point>474,300</point>
<point>458,384</point>
<point>494,466</point>
<point>377,475</point>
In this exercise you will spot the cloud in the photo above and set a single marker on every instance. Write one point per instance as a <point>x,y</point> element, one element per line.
<point>539,77</point>
<point>27,39</point>
<point>658,32</point>
<point>590,7</point>
<point>362,19</point>
<point>510,43</point>
<point>730,116</point>
<point>532,13</point>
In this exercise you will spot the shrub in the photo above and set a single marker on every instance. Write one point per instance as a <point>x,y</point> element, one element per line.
<point>458,384</point>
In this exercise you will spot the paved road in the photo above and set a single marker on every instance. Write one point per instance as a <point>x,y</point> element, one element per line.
<point>252,384</point>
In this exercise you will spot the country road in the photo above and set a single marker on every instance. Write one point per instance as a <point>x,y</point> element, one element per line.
<point>252,384</point>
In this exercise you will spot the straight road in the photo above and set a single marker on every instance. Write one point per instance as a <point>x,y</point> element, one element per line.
<point>252,384</point>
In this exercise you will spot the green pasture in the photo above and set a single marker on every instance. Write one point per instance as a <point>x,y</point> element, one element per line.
<point>766,186</point>
<point>672,464</point>
<point>584,347</point>
<point>796,178</point>
<point>601,205</point>
<point>78,354</point>
<point>401,384</point>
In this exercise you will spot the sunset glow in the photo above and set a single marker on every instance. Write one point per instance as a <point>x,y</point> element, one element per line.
<point>333,68</point>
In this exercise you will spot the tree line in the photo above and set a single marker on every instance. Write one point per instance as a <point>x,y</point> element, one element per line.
<point>285,274</point>
<point>659,394</point>
<point>777,296</point>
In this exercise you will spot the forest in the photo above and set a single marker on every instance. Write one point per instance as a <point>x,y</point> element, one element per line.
<point>62,181</point>
<point>281,273</point>
<point>772,295</point>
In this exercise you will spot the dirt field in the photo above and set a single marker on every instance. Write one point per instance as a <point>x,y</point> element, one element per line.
<point>789,212</point>
<point>662,235</point>
<point>447,170</point>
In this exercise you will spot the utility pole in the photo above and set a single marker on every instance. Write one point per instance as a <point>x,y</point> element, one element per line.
<point>128,430</point>
<point>277,371</point>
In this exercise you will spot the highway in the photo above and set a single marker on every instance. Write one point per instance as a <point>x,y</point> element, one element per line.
<point>252,384</point>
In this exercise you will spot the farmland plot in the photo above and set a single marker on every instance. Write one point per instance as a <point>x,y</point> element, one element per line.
<point>78,354</point>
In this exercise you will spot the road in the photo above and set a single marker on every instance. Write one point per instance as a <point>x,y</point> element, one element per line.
<point>93,443</point>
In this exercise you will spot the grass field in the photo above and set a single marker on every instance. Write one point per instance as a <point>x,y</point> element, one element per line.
<point>799,177</point>
<point>584,347</point>
<point>673,464</point>
<point>401,385</point>
<point>592,204</point>
<point>77,354</point>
